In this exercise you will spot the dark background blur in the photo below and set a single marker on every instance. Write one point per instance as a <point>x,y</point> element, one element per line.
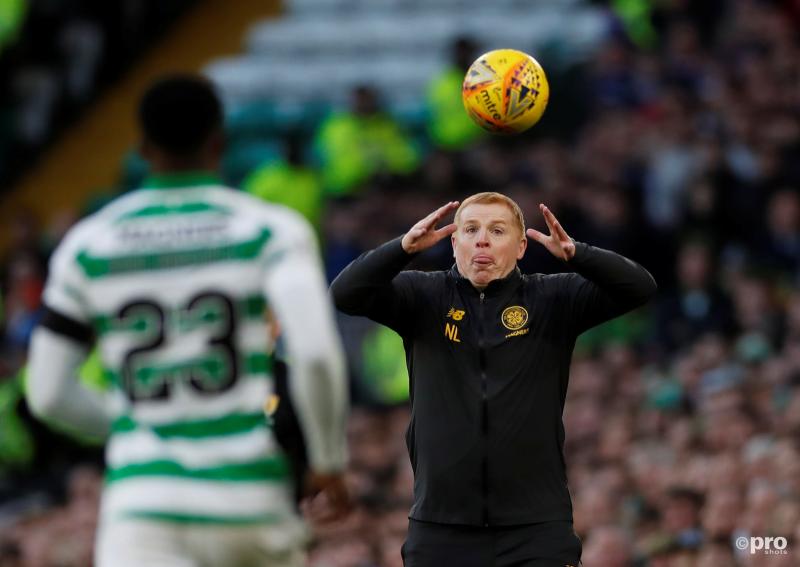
<point>672,136</point>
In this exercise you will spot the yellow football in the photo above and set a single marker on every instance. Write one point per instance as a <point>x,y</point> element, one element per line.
<point>505,91</point>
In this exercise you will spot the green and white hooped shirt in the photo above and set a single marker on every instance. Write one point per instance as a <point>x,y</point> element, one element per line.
<point>176,280</point>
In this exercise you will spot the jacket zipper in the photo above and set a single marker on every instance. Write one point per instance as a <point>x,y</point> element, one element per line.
<point>484,415</point>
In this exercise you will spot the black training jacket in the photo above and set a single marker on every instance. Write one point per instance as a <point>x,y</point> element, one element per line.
<point>489,373</point>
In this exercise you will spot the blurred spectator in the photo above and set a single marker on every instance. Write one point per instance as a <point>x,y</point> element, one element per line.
<point>363,142</point>
<point>607,219</point>
<point>671,162</point>
<point>755,307</point>
<point>612,78</point>
<point>384,370</point>
<point>22,300</point>
<point>608,546</point>
<point>16,440</point>
<point>697,305</point>
<point>723,507</point>
<point>780,243</point>
<point>12,13</point>
<point>289,182</point>
<point>81,42</point>
<point>681,517</point>
<point>22,274</point>
<point>37,90</point>
<point>341,234</point>
<point>637,19</point>
<point>449,126</point>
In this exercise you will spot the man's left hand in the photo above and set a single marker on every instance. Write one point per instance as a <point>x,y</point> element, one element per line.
<point>557,242</point>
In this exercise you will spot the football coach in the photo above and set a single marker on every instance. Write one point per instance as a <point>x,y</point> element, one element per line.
<point>488,351</point>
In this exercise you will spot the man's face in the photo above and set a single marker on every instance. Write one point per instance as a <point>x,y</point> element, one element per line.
<point>487,243</point>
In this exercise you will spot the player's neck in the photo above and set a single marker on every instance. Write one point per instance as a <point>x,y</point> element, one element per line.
<point>162,163</point>
<point>177,166</point>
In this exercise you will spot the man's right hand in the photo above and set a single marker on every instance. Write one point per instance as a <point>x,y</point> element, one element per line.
<point>424,234</point>
<point>326,496</point>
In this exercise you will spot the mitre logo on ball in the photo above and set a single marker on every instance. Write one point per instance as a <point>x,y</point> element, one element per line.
<point>505,91</point>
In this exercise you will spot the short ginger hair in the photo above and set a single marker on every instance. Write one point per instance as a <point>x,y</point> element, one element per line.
<point>489,198</point>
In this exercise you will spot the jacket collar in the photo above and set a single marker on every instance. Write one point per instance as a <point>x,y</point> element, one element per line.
<point>495,287</point>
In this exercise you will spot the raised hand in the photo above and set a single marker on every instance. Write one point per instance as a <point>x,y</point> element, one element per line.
<point>424,234</point>
<point>557,242</point>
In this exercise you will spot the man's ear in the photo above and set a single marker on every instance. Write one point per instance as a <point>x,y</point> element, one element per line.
<point>523,245</point>
<point>453,243</point>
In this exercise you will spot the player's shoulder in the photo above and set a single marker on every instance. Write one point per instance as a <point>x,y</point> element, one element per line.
<point>94,226</point>
<point>284,227</point>
<point>263,211</point>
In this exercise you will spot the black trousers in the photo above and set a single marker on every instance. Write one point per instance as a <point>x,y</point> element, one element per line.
<point>549,544</point>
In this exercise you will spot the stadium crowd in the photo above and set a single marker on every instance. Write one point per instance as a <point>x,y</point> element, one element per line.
<point>682,419</point>
<point>57,57</point>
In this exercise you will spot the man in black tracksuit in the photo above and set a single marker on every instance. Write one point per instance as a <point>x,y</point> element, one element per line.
<point>488,352</point>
